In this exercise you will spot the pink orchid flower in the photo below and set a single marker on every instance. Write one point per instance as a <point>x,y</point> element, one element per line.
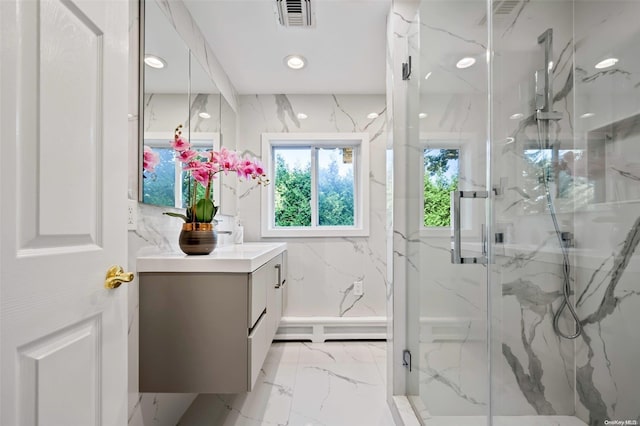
<point>192,166</point>
<point>186,155</point>
<point>227,160</point>
<point>258,167</point>
<point>180,144</point>
<point>245,168</point>
<point>201,176</point>
<point>150,159</point>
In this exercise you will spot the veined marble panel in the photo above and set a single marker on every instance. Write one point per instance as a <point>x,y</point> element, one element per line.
<point>607,226</point>
<point>163,112</point>
<point>337,384</point>
<point>607,352</point>
<point>322,270</point>
<point>181,19</point>
<point>503,421</point>
<point>533,367</point>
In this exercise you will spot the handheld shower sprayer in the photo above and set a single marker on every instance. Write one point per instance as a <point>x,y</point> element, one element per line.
<point>544,115</point>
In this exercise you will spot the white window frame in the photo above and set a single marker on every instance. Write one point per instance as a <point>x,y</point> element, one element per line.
<point>360,141</point>
<point>445,141</point>
<point>208,140</point>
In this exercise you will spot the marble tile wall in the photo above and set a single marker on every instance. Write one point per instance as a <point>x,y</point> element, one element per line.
<point>181,19</point>
<point>607,225</point>
<point>163,112</point>
<point>322,270</point>
<point>532,368</point>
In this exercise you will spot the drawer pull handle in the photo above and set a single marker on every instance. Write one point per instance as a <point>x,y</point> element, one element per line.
<point>279,268</point>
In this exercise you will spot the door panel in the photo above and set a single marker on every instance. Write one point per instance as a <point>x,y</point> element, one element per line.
<point>70,357</point>
<point>69,73</point>
<point>63,180</point>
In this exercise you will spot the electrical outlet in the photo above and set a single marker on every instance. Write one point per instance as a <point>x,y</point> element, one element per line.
<point>358,288</point>
<point>132,215</point>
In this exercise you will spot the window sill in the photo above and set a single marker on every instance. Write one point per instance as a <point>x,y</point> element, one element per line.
<point>444,232</point>
<point>315,232</point>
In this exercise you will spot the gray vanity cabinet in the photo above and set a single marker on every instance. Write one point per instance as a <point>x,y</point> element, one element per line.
<point>208,332</point>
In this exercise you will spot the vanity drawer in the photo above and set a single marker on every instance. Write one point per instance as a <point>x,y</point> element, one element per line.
<point>258,347</point>
<point>261,281</point>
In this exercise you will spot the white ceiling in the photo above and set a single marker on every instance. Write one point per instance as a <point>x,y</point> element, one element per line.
<point>345,49</point>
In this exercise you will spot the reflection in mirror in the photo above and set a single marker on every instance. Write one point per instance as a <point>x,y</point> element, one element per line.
<point>228,203</point>
<point>178,93</point>
<point>165,105</point>
<point>181,92</point>
<point>169,183</point>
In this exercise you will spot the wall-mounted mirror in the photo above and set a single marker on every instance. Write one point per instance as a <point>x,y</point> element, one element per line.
<point>228,197</point>
<point>178,91</point>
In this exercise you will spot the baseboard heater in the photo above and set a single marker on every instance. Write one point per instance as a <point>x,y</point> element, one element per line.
<point>321,329</point>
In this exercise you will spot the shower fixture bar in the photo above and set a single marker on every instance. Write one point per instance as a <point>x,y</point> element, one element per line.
<point>547,38</point>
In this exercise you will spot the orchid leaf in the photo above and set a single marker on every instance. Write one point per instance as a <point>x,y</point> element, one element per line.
<point>180,215</point>
<point>205,210</point>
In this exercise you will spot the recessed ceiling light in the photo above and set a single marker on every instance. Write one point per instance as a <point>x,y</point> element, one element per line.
<point>516,116</point>
<point>606,63</point>
<point>295,62</point>
<point>302,116</point>
<point>587,115</point>
<point>426,77</point>
<point>465,62</point>
<point>373,115</point>
<point>422,115</point>
<point>204,115</point>
<point>155,61</point>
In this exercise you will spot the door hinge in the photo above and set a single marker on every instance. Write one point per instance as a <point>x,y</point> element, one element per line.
<point>406,359</point>
<point>406,69</point>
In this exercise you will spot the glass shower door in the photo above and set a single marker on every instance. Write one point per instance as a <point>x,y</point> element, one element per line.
<point>447,302</point>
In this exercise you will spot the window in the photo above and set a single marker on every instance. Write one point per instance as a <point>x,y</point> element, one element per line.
<point>167,185</point>
<point>441,173</point>
<point>319,185</point>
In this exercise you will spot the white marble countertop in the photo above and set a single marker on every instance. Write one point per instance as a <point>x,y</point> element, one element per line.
<point>240,258</point>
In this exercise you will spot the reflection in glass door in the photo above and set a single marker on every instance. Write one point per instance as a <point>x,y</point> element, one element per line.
<point>448,301</point>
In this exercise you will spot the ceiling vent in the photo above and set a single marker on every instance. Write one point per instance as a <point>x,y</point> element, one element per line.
<point>500,9</point>
<point>294,13</point>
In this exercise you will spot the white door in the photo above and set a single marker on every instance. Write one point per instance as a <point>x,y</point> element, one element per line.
<point>63,178</point>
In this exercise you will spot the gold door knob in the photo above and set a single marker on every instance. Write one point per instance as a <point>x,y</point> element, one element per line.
<point>116,276</point>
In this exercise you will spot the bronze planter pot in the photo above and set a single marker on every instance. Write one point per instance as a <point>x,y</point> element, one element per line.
<point>198,238</point>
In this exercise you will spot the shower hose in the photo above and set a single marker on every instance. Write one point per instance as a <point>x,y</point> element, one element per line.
<point>566,269</point>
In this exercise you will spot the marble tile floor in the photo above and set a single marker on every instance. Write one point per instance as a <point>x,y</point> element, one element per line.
<point>503,421</point>
<point>306,384</point>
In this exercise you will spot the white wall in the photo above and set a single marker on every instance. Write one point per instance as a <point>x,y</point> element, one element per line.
<point>322,270</point>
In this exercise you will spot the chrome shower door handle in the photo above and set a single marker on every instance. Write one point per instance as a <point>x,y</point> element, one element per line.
<point>456,238</point>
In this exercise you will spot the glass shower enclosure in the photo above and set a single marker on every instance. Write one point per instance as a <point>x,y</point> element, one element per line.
<point>516,213</point>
